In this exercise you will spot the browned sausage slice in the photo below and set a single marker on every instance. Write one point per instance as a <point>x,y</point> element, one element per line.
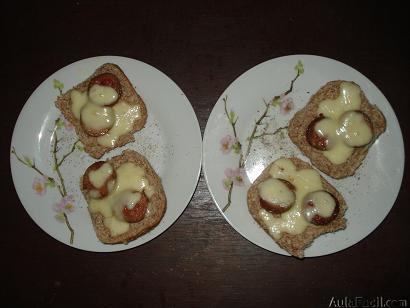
<point>108,80</point>
<point>137,213</point>
<point>310,209</point>
<point>98,192</point>
<point>313,138</point>
<point>278,208</point>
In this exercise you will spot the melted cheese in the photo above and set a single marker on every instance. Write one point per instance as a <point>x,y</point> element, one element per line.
<point>305,181</point>
<point>276,192</point>
<point>97,117</point>
<point>327,128</point>
<point>339,153</point>
<point>355,130</point>
<point>78,99</point>
<point>132,199</point>
<point>126,198</point>
<point>150,209</point>
<point>99,176</point>
<point>116,226</point>
<point>130,177</point>
<point>130,183</point>
<point>349,99</point>
<point>90,108</point>
<point>149,190</point>
<point>94,193</point>
<point>125,116</point>
<point>342,138</point>
<point>324,204</point>
<point>102,95</point>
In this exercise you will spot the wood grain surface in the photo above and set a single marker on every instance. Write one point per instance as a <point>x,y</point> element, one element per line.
<point>200,261</point>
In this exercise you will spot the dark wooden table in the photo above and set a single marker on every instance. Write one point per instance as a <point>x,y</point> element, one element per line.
<point>200,260</point>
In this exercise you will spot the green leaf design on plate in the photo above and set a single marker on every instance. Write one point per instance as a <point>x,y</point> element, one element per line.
<point>58,84</point>
<point>299,68</point>
<point>227,183</point>
<point>237,147</point>
<point>50,183</point>
<point>28,161</point>
<point>276,102</point>
<point>59,123</point>
<point>60,217</point>
<point>79,147</point>
<point>232,117</point>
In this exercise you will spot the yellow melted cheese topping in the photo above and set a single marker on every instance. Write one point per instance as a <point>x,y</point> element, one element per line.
<point>354,129</point>
<point>102,95</point>
<point>129,185</point>
<point>349,99</point>
<point>125,116</point>
<point>97,117</point>
<point>305,181</point>
<point>99,176</point>
<point>343,128</point>
<point>78,100</point>
<point>90,108</point>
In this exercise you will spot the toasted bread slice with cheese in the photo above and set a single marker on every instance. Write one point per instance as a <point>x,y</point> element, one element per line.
<point>127,94</point>
<point>295,244</point>
<point>105,222</point>
<point>299,124</point>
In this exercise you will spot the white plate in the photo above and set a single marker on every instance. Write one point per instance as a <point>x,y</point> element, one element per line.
<point>171,141</point>
<point>370,194</point>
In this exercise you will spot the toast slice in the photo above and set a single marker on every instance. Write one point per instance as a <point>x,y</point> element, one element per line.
<point>156,207</point>
<point>128,94</point>
<point>298,126</point>
<point>295,244</point>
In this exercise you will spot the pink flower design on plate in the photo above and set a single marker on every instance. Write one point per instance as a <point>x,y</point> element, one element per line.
<point>39,185</point>
<point>286,105</point>
<point>65,206</point>
<point>226,144</point>
<point>233,177</point>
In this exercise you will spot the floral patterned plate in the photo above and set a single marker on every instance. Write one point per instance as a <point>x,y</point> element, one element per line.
<point>247,130</point>
<point>47,160</point>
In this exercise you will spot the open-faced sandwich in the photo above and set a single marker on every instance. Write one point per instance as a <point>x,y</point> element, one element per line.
<point>105,110</point>
<point>125,197</point>
<point>294,204</point>
<point>336,128</point>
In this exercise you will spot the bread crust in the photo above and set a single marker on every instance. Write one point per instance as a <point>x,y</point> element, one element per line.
<point>158,201</point>
<point>301,120</point>
<point>91,146</point>
<point>296,244</point>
